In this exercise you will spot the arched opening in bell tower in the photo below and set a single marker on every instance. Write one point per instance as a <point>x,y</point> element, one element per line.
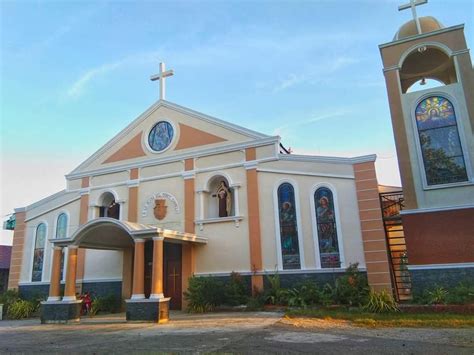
<point>427,67</point>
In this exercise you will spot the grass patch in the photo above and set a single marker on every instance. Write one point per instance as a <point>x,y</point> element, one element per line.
<point>372,320</point>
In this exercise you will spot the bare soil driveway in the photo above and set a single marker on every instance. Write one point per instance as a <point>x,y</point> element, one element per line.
<point>257,332</point>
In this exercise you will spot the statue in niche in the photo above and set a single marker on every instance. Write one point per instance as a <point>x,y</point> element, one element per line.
<point>224,199</point>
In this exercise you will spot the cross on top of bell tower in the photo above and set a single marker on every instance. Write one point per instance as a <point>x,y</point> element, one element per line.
<point>413,4</point>
<point>161,76</point>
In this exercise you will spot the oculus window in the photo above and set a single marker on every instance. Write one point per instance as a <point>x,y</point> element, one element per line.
<point>160,136</point>
<point>441,149</point>
<point>288,227</point>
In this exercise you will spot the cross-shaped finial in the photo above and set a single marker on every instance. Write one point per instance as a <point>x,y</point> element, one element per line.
<point>161,78</point>
<point>413,4</point>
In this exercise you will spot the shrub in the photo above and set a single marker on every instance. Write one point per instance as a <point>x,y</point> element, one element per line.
<point>110,304</point>
<point>461,294</point>
<point>326,295</point>
<point>235,292</point>
<point>7,298</point>
<point>275,294</point>
<point>437,296</point>
<point>381,302</point>
<point>20,309</point>
<point>105,304</point>
<point>309,293</point>
<point>96,306</point>
<point>256,302</point>
<point>204,294</point>
<point>351,289</point>
<point>295,298</point>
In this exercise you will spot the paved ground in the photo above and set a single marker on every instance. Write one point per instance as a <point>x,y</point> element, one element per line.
<point>228,332</point>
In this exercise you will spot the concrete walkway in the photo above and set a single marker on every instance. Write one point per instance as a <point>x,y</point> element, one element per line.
<point>250,332</point>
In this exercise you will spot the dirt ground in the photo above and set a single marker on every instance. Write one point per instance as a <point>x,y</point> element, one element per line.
<point>256,332</point>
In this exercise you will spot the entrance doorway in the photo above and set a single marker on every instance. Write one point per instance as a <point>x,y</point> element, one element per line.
<point>172,272</point>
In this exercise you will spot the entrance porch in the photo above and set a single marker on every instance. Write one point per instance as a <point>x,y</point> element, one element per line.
<point>156,264</point>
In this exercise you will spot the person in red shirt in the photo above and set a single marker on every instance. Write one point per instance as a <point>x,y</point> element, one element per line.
<point>87,302</point>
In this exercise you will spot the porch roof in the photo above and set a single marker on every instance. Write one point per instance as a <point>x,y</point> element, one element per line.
<point>109,233</point>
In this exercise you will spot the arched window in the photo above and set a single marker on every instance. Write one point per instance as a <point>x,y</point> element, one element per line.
<point>443,158</point>
<point>61,226</point>
<point>327,228</point>
<point>288,227</point>
<point>38,253</point>
<point>109,207</point>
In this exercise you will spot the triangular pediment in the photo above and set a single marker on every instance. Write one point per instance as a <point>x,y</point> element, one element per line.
<point>190,131</point>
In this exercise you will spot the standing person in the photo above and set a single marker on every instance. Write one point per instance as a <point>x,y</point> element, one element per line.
<point>87,302</point>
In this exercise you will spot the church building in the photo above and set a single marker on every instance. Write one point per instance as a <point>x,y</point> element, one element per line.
<point>178,193</point>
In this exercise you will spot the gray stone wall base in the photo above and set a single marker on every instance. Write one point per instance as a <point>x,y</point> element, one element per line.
<point>423,279</point>
<point>60,312</point>
<point>147,310</point>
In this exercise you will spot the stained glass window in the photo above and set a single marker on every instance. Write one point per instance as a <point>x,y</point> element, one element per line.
<point>61,226</point>
<point>160,136</point>
<point>38,253</point>
<point>288,227</point>
<point>327,230</point>
<point>443,158</point>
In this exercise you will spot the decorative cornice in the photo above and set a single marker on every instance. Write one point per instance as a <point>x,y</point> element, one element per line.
<point>133,183</point>
<point>84,191</point>
<point>248,165</point>
<point>176,158</point>
<point>304,173</point>
<point>393,67</point>
<point>52,208</point>
<point>436,209</point>
<point>331,160</point>
<point>187,175</point>
<point>440,266</point>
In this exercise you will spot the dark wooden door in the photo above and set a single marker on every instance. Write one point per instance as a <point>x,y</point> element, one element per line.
<point>172,274</point>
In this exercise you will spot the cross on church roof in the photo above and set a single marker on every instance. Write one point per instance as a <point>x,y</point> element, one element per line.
<point>161,76</point>
<point>413,4</point>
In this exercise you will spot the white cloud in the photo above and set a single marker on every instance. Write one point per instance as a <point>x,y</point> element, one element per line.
<point>222,49</point>
<point>77,88</point>
<point>285,129</point>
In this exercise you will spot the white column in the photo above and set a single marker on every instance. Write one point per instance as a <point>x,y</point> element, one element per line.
<point>236,200</point>
<point>201,204</point>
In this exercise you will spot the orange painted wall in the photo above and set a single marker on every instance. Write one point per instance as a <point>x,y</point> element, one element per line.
<point>373,233</point>
<point>254,222</point>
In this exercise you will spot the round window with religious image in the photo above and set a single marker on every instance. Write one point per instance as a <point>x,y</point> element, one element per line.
<point>160,136</point>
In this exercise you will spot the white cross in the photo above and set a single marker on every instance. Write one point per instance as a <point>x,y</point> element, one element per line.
<point>413,4</point>
<point>161,77</point>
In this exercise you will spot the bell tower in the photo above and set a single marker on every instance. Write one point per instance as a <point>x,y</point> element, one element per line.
<point>430,86</point>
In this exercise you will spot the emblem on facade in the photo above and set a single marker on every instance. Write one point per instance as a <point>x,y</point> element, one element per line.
<point>160,208</point>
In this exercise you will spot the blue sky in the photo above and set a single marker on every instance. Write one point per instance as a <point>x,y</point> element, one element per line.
<point>73,74</point>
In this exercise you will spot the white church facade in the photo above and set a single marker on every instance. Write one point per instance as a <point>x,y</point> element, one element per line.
<point>206,197</point>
